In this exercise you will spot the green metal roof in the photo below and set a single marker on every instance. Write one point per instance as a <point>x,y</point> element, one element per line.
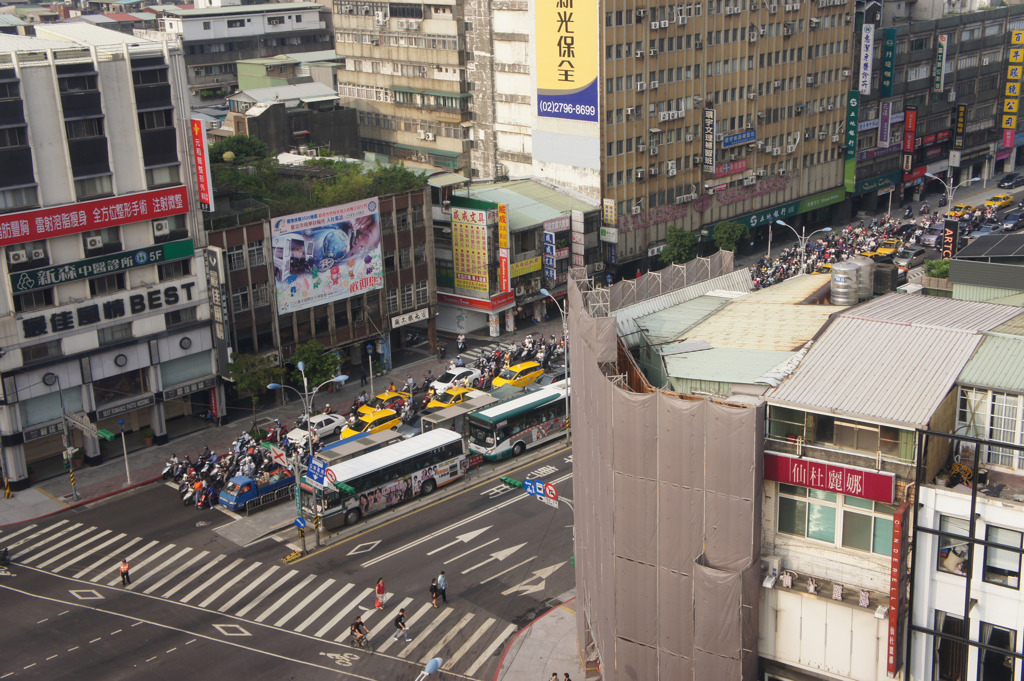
<point>672,323</point>
<point>998,363</point>
<point>725,365</point>
<point>515,406</point>
<point>529,202</point>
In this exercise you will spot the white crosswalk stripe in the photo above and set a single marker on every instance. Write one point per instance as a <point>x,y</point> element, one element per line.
<point>286,599</point>
<point>32,539</point>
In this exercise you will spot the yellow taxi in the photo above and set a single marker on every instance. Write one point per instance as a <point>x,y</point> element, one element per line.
<point>889,246</point>
<point>519,375</point>
<point>999,201</point>
<point>826,268</point>
<point>959,210</point>
<point>382,419</point>
<point>385,400</point>
<point>451,397</point>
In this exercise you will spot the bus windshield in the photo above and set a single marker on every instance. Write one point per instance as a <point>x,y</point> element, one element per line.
<point>481,436</point>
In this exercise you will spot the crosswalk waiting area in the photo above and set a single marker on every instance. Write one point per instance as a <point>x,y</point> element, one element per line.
<point>257,592</point>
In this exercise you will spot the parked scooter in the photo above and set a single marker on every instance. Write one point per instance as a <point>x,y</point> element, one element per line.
<point>170,468</point>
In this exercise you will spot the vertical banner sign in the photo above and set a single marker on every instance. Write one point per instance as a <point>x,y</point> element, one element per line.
<point>852,117</point>
<point>885,125</point>
<point>950,238</point>
<point>709,141</point>
<point>867,53</point>
<point>897,590</point>
<point>503,272</point>
<point>888,61</point>
<point>202,159</point>
<point>469,246</point>
<point>567,59</point>
<point>939,79</point>
<point>1014,73</point>
<point>216,286</point>
<point>609,233</point>
<point>960,127</point>
<point>909,133</point>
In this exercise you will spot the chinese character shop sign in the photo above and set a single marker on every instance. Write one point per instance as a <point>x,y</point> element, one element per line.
<point>567,54</point>
<point>709,140</point>
<point>201,154</point>
<point>830,477</point>
<point>85,216</point>
<point>469,247</point>
<point>867,52</point>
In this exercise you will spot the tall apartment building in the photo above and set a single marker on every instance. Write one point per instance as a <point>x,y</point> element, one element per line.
<point>105,318</point>
<point>675,115</point>
<point>217,33</point>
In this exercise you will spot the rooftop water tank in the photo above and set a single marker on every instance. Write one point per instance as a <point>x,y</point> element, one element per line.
<point>844,283</point>
<point>865,276</point>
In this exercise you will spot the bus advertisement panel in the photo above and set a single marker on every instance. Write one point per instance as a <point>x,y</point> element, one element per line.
<point>514,425</point>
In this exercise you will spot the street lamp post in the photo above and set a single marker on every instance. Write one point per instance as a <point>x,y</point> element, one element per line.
<point>565,336</point>
<point>950,189</point>
<point>802,239</point>
<point>49,379</point>
<point>306,397</point>
<point>124,449</point>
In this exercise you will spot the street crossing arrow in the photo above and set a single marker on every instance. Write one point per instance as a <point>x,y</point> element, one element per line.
<point>464,538</point>
<point>497,555</point>
<point>525,588</point>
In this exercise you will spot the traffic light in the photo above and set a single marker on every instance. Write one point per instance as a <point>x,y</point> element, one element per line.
<point>511,482</point>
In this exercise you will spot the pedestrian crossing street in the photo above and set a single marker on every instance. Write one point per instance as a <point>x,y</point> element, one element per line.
<point>260,593</point>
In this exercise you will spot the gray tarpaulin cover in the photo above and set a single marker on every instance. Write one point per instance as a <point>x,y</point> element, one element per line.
<point>667,500</point>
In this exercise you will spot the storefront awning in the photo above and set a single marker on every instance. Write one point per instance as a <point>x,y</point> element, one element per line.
<point>426,150</point>
<point>446,179</point>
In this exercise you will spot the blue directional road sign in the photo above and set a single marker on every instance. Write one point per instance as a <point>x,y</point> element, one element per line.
<point>300,523</point>
<point>533,487</point>
<point>316,470</point>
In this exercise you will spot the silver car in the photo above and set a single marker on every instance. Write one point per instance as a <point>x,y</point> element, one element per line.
<point>909,256</point>
<point>933,237</point>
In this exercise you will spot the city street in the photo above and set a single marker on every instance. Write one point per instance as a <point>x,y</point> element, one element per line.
<point>195,593</point>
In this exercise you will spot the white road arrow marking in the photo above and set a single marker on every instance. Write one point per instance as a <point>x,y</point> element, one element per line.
<point>464,538</point>
<point>525,588</point>
<point>497,555</point>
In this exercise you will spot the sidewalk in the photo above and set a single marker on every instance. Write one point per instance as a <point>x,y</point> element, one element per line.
<point>545,646</point>
<point>94,483</point>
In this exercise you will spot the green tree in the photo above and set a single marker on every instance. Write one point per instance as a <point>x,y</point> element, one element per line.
<point>730,234</point>
<point>395,179</point>
<point>321,365</point>
<point>252,374</point>
<point>242,146</point>
<point>937,268</point>
<point>680,246</point>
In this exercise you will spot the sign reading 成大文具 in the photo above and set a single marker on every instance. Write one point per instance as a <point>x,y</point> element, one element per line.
<point>112,263</point>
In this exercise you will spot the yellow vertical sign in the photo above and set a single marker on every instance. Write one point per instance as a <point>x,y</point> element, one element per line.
<point>1017,38</point>
<point>567,59</point>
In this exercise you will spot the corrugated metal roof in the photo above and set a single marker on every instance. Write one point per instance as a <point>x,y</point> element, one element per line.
<point>271,7</point>
<point>446,179</point>
<point>25,43</point>
<point>724,365</point>
<point>997,364</point>
<point>11,20</point>
<point>961,315</point>
<point>737,281</point>
<point>529,202</point>
<point>1013,326</point>
<point>88,34</point>
<point>669,324</point>
<point>287,93</point>
<point>868,364</point>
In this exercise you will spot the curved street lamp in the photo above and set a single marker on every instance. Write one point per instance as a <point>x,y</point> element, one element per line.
<point>802,239</point>
<point>565,335</point>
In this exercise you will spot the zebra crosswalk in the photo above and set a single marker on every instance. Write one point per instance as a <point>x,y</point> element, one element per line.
<point>270,595</point>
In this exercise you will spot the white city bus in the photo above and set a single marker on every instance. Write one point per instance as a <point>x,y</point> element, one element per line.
<point>512,426</point>
<point>386,477</point>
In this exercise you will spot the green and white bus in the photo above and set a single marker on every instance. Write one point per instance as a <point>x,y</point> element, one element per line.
<point>512,426</point>
<point>386,477</point>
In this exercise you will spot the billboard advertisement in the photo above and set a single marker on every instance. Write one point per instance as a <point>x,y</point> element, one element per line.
<point>327,255</point>
<point>852,118</point>
<point>503,251</point>
<point>708,130</point>
<point>909,137</point>
<point>469,246</point>
<point>567,53</point>
<point>888,61</point>
<point>867,53</point>
<point>884,125</point>
<point>202,158</point>
<point>939,77</point>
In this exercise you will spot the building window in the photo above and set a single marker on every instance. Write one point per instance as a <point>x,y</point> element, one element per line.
<point>1002,566</point>
<point>115,334</point>
<point>162,176</point>
<point>952,556</point>
<point>20,197</point>
<point>256,256</point>
<point>403,257</point>
<point>392,301</point>
<point>838,519</point>
<point>950,650</point>
<point>156,120</point>
<point>107,284</point>
<point>13,137</point>
<point>179,317</point>
<point>84,128</point>
<point>996,665</point>
<point>33,300</point>
<point>419,253</point>
<point>109,240</point>
<point>94,187</point>
<point>174,270</point>
<point>389,262</point>
<point>236,23</point>
<point>240,299</point>
<point>77,83</point>
<point>260,294</point>
<point>40,352</point>
<point>991,415</point>
<point>153,76</point>
<point>206,25</point>
<point>407,296</point>
<point>236,257</point>
<point>421,292</point>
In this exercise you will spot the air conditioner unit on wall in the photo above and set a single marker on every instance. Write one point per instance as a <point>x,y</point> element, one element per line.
<point>16,256</point>
<point>637,210</point>
<point>161,227</point>
<point>93,242</point>
<point>38,253</point>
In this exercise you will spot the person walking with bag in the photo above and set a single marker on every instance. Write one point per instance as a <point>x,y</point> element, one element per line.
<point>381,594</point>
<point>434,593</point>
<point>126,578</point>
<point>442,586</point>
<point>400,628</point>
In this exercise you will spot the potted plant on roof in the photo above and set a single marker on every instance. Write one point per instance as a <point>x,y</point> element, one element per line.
<point>147,436</point>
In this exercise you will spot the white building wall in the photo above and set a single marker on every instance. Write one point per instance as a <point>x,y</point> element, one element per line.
<point>47,135</point>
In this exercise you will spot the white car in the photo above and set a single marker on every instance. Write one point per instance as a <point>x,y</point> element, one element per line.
<point>323,424</point>
<point>454,377</point>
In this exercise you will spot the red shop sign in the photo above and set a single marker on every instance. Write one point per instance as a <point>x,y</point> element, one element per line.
<point>483,304</point>
<point>830,477</point>
<point>915,173</point>
<point>85,216</point>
